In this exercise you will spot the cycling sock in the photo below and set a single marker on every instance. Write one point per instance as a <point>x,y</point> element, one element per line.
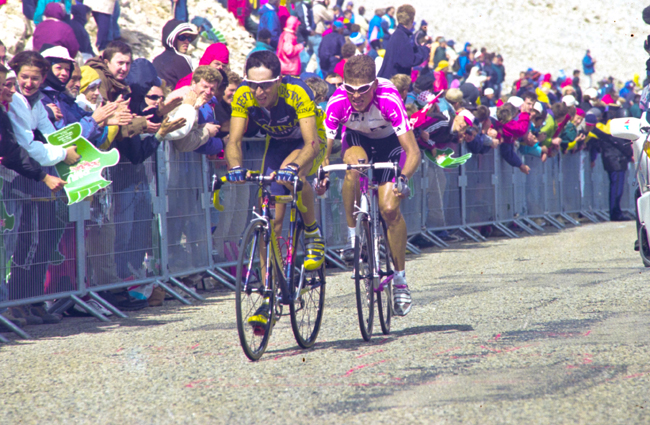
<point>352,232</point>
<point>311,228</point>
<point>399,278</point>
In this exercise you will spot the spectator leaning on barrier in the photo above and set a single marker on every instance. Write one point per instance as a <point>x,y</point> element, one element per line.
<point>174,63</point>
<point>402,54</point>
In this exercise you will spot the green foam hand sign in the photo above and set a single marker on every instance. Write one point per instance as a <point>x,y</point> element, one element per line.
<point>443,158</point>
<point>7,221</point>
<point>85,177</point>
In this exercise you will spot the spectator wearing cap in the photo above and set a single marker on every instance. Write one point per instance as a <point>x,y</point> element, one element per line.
<point>80,15</point>
<point>440,52</point>
<point>589,68</point>
<point>54,31</point>
<point>402,54</point>
<point>440,76</point>
<point>464,60</point>
<point>359,41</point>
<point>330,48</point>
<point>174,63</point>
<point>263,42</point>
<point>488,97</point>
<point>60,106</point>
<point>289,49</point>
<point>421,34</point>
<point>270,21</point>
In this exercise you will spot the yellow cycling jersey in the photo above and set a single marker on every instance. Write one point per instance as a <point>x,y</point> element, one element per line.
<point>295,101</point>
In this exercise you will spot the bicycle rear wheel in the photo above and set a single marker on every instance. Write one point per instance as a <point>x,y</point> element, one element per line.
<point>254,303</point>
<point>385,297</point>
<point>363,271</point>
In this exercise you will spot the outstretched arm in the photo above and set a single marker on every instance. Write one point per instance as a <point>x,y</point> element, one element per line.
<point>410,146</point>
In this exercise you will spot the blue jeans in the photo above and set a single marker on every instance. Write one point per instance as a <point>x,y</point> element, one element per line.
<point>315,41</point>
<point>114,28</point>
<point>181,10</point>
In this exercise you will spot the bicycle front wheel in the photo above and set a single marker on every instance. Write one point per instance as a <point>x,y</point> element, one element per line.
<point>385,297</point>
<point>363,271</point>
<point>255,297</point>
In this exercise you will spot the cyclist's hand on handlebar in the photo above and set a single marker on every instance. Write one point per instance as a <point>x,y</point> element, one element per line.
<point>401,187</point>
<point>288,173</point>
<point>237,174</point>
<point>321,186</point>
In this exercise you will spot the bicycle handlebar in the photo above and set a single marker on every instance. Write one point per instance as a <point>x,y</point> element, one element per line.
<point>256,177</point>
<point>346,167</point>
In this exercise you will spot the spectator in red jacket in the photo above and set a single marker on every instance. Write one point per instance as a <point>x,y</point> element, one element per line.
<point>54,31</point>
<point>289,49</point>
<point>347,51</point>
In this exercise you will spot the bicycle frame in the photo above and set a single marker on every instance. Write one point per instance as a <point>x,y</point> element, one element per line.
<point>369,206</point>
<point>285,270</point>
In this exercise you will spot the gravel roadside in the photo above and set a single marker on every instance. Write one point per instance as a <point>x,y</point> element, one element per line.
<point>544,329</point>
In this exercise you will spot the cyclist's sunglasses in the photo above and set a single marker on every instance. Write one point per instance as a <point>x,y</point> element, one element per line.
<point>357,89</point>
<point>154,97</point>
<point>185,37</point>
<point>264,85</point>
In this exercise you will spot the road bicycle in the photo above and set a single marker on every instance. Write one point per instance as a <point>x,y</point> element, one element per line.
<point>266,279</point>
<point>374,264</point>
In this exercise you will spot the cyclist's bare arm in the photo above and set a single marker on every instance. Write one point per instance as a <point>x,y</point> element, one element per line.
<point>326,160</point>
<point>410,146</point>
<point>233,147</point>
<point>312,143</point>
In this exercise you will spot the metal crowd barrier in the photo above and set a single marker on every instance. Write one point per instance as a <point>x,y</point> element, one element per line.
<point>155,225</point>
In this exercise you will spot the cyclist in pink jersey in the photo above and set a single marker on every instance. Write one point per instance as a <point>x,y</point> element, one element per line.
<point>376,128</point>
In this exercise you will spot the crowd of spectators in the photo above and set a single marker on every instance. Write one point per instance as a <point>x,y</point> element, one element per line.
<point>455,95</point>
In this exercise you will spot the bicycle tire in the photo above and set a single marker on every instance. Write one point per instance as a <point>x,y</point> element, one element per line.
<point>250,293</point>
<point>363,268</point>
<point>385,297</point>
<point>307,309</point>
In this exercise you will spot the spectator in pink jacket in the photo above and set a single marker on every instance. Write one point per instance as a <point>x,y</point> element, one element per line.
<point>53,30</point>
<point>289,49</point>
<point>440,77</point>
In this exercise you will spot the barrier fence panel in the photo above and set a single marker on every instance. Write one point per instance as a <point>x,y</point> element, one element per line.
<point>411,207</point>
<point>506,190</point>
<point>570,164</point>
<point>600,192</point>
<point>586,183</point>
<point>480,189</point>
<point>37,243</point>
<point>628,202</point>
<point>122,235</point>
<point>535,205</point>
<point>334,222</point>
<point>552,185</point>
<point>187,233</point>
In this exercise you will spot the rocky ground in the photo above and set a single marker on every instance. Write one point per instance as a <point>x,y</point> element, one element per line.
<point>550,329</point>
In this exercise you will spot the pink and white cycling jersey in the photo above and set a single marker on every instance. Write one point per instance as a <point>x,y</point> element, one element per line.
<point>385,115</point>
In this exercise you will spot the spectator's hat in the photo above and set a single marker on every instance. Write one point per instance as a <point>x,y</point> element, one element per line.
<point>357,39</point>
<point>607,99</point>
<point>442,65</point>
<point>591,119</point>
<point>10,75</point>
<point>89,78</point>
<point>425,97</point>
<point>580,112</point>
<point>451,43</point>
<point>569,100</point>
<point>56,52</point>
<point>592,93</point>
<point>538,107</point>
<point>338,24</point>
<point>469,117</point>
<point>516,101</point>
<point>488,91</point>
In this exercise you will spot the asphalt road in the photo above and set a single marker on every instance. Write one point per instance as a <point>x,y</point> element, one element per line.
<point>551,329</point>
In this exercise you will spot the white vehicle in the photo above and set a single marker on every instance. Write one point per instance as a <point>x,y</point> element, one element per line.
<point>638,130</point>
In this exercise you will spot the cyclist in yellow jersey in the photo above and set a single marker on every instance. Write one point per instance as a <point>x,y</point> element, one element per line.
<point>295,138</point>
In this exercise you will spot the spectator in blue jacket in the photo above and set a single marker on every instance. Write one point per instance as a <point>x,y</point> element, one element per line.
<point>80,15</point>
<point>269,20</point>
<point>588,65</point>
<point>402,53</point>
<point>375,31</point>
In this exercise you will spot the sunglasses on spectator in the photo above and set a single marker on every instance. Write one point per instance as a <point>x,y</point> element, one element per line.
<point>357,89</point>
<point>185,37</point>
<point>154,97</point>
<point>264,85</point>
